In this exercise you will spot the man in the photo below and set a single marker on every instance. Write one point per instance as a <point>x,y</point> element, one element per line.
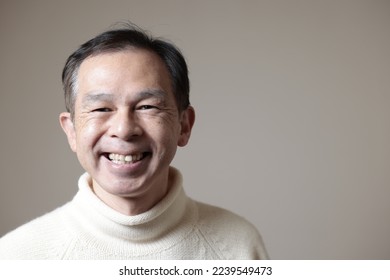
<point>128,109</point>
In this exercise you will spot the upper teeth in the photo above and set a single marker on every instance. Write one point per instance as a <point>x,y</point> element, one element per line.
<point>124,158</point>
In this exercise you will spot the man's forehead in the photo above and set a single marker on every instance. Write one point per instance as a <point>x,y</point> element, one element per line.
<point>138,64</point>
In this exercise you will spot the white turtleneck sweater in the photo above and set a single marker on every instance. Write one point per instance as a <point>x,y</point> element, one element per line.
<point>176,228</point>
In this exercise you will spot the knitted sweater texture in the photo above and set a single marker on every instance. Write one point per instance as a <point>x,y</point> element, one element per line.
<point>176,228</point>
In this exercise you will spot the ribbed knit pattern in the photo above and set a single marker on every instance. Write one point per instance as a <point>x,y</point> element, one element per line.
<point>176,228</point>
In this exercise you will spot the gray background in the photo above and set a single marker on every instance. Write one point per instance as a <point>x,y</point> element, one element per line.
<point>292,101</point>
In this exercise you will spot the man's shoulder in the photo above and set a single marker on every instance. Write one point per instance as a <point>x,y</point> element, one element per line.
<point>34,239</point>
<point>223,228</point>
<point>217,218</point>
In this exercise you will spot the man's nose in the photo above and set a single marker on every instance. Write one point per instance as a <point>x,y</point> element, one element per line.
<point>125,125</point>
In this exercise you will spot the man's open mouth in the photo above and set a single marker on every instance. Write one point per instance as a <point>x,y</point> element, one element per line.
<point>126,159</point>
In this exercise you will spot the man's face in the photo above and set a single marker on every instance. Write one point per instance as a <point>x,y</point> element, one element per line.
<point>126,126</point>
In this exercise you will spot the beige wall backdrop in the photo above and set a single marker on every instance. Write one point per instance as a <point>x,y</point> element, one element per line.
<point>293,111</point>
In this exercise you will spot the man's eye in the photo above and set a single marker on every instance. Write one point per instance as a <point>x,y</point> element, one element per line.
<point>102,110</point>
<point>146,107</point>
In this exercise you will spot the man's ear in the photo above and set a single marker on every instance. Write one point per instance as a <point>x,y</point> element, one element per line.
<point>69,129</point>
<point>187,120</point>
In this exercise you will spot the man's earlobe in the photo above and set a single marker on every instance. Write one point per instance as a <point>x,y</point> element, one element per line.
<point>187,121</point>
<point>69,129</point>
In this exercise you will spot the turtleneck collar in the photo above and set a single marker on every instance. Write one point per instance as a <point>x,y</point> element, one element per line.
<point>97,221</point>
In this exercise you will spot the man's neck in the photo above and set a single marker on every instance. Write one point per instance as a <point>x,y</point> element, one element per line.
<point>135,205</point>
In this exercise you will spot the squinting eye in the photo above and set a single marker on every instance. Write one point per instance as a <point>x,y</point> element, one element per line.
<point>146,107</point>
<point>102,110</point>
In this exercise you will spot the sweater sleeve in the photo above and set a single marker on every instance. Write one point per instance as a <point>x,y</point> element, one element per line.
<point>41,238</point>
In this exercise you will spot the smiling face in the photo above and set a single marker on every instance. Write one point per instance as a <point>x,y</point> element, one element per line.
<point>126,127</point>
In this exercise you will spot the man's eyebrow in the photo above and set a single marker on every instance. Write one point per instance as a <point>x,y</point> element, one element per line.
<point>152,93</point>
<point>93,97</point>
<point>144,94</point>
